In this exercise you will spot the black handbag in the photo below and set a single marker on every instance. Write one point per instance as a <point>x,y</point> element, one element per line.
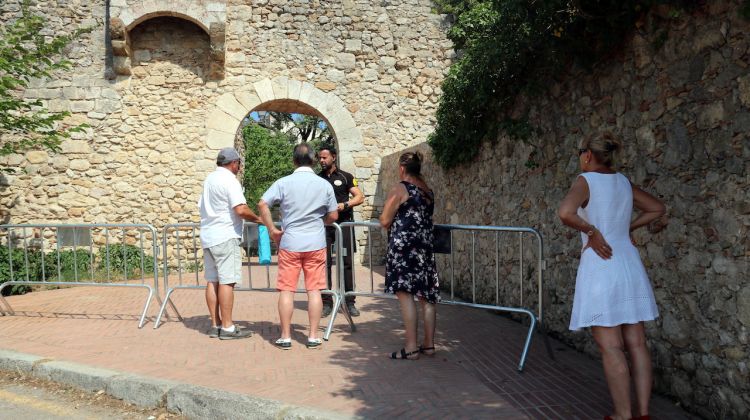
<point>441,242</point>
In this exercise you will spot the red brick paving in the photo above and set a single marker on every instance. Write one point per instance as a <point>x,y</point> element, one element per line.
<point>472,376</point>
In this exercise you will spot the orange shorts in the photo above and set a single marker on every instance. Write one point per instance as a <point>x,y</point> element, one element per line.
<point>312,263</point>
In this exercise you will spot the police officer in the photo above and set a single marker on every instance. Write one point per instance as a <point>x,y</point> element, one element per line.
<point>344,186</point>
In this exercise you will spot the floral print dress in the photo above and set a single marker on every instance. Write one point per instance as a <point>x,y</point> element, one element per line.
<point>410,263</point>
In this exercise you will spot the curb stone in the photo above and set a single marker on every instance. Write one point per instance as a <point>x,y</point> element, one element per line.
<point>79,376</point>
<point>192,401</point>
<point>203,402</point>
<point>18,362</point>
<point>139,390</point>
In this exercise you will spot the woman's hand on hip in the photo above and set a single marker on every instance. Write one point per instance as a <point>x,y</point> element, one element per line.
<point>599,245</point>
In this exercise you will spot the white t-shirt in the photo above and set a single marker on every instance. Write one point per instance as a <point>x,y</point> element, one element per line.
<point>221,194</point>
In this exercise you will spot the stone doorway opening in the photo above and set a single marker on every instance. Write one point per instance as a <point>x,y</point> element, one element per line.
<point>267,136</point>
<point>225,120</point>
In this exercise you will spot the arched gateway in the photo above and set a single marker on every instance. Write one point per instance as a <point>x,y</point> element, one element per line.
<point>284,95</point>
<point>186,73</point>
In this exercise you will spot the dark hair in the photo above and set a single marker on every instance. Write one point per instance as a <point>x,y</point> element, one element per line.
<point>303,155</point>
<point>603,146</point>
<point>331,149</point>
<point>412,163</point>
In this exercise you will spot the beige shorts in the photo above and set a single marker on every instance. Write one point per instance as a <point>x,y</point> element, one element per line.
<point>223,262</point>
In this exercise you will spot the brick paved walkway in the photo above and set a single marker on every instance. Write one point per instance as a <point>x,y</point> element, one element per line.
<point>472,376</point>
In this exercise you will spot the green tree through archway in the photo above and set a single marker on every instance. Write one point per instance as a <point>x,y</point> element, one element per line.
<point>268,139</point>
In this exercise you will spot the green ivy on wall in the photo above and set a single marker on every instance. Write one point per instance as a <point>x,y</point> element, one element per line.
<point>511,47</point>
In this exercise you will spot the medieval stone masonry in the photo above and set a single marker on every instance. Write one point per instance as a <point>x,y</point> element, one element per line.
<point>185,74</point>
<point>682,110</point>
<point>173,81</point>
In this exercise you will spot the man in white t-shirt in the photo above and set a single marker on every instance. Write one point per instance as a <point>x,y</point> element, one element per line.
<point>223,207</point>
<point>307,203</point>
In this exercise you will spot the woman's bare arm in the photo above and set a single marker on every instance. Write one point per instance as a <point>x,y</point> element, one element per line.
<point>568,213</point>
<point>396,196</point>
<point>650,207</point>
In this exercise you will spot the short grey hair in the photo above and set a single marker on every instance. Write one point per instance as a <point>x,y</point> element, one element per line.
<point>303,155</point>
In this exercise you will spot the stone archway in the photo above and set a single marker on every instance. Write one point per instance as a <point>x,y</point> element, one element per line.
<point>230,109</point>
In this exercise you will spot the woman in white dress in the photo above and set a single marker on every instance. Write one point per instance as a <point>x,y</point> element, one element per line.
<point>613,294</point>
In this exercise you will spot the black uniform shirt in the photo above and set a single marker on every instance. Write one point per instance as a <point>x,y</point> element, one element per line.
<point>341,182</point>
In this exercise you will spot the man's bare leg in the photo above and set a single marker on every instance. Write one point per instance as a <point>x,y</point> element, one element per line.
<point>314,310</point>
<point>226,303</point>
<point>286,307</point>
<point>212,301</point>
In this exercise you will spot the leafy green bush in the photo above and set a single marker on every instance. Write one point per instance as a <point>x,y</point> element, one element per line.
<point>29,50</point>
<point>72,266</point>
<point>29,266</point>
<point>268,157</point>
<point>511,47</point>
<point>21,266</point>
<point>125,259</point>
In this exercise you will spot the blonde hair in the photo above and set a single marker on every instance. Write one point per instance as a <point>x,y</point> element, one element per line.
<point>603,146</point>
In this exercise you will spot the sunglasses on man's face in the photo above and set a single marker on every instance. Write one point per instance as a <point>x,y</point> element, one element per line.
<point>581,151</point>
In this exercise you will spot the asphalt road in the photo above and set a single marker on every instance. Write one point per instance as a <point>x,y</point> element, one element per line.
<point>32,399</point>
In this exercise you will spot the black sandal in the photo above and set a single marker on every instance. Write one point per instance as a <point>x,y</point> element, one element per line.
<point>404,355</point>
<point>425,350</point>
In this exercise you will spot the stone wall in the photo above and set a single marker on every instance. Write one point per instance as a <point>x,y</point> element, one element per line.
<point>372,70</point>
<point>683,112</point>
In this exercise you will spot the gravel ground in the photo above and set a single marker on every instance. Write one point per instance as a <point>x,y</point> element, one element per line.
<point>27,397</point>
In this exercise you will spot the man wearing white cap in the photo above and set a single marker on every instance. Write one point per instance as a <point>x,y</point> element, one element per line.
<point>223,207</point>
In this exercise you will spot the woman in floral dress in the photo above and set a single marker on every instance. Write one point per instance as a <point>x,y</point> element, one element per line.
<point>410,264</point>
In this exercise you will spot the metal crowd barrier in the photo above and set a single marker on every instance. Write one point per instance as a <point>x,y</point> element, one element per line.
<point>535,318</point>
<point>40,265</point>
<point>184,240</point>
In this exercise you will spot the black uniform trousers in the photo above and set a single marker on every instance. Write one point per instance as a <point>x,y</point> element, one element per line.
<point>348,240</point>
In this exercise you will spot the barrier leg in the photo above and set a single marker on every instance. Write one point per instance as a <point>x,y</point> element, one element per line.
<point>527,344</point>
<point>336,303</point>
<point>145,307</point>
<point>163,308</point>
<point>161,302</point>
<point>347,315</point>
<point>174,308</point>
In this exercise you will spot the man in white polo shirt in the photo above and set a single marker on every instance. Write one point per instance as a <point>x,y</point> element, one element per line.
<point>307,203</point>
<point>223,207</point>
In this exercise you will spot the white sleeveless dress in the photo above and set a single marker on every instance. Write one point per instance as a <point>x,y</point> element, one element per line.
<point>615,291</point>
